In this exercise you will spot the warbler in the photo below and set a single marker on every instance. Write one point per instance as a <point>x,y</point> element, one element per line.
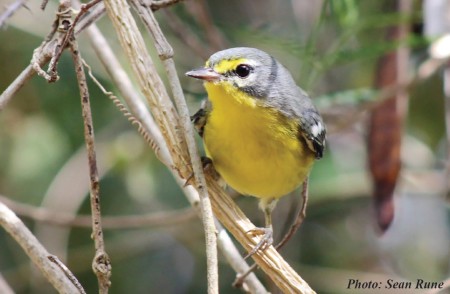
<point>260,130</point>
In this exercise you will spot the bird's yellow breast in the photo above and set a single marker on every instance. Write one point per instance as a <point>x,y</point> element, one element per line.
<point>254,148</point>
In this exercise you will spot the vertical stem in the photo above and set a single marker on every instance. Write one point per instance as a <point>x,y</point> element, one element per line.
<point>101,263</point>
<point>165,53</point>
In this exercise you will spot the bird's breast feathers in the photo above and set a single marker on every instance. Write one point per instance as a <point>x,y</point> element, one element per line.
<point>255,148</point>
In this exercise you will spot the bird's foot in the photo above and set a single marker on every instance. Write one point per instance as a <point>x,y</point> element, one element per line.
<point>208,166</point>
<point>265,242</point>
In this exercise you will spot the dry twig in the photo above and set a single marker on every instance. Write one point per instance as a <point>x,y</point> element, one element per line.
<point>67,27</point>
<point>44,53</point>
<point>156,219</point>
<point>67,272</point>
<point>299,218</point>
<point>10,10</point>
<point>37,253</point>
<point>101,264</point>
<point>165,53</point>
<point>4,286</point>
<point>156,5</point>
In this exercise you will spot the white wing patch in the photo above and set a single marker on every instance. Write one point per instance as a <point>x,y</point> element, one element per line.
<point>316,129</point>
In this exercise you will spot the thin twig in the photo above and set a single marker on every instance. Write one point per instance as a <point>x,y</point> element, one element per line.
<point>67,272</point>
<point>10,10</point>
<point>42,55</point>
<point>38,52</point>
<point>4,286</point>
<point>156,5</point>
<point>148,137</point>
<point>132,99</point>
<point>101,263</point>
<point>250,282</point>
<point>150,83</point>
<point>165,53</point>
<point>68,28</point>
<point>156,219</point>
<point>44,4</point>
<point>37,253</point>
<point>299,218</point>
<point>90,17</point>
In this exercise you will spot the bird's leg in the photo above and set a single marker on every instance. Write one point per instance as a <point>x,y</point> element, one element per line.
<point>267,207</point>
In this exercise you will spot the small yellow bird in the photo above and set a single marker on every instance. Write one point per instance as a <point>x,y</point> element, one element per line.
<point>260,130</point>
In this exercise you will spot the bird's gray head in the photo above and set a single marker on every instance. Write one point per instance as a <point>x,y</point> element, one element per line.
<point>250,70</point>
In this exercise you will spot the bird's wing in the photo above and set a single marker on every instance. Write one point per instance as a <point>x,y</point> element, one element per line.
<point>312,130</point>
<point>200,117</point>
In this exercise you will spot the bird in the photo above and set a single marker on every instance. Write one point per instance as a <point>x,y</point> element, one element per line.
<point>260,131</point>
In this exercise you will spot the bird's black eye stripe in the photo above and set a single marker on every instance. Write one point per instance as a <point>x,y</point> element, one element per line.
<point>243,70</point>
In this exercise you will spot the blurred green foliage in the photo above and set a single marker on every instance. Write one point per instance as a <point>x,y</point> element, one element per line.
<point>331,48</point>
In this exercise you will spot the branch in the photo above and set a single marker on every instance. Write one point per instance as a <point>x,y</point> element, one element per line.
<point>249,282</point>
<point>270,261</point>
<point>67,272</point>
<point>165,53</point>
<point>37,253</point>
<point>156,219</point>
<point>101,264</point>
<point>150,83</point>
<point>68,28</point>
<point>10,10</point>
<point>44,53</point>
<point>133,100</point>
<point>156,5</point>
<point>300,216</point>
<point>4,286</point>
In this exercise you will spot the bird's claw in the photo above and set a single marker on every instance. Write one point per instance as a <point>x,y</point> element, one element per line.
<point>265,242</point>
<point>207,164</point>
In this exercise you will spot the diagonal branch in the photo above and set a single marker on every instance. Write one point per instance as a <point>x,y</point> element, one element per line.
<point>37,253</point>
<point>10,10</point>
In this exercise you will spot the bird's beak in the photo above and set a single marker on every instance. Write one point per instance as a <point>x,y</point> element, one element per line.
<point>207,74</point>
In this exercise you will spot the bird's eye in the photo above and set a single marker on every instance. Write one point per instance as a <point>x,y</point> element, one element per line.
<point>243,70</point>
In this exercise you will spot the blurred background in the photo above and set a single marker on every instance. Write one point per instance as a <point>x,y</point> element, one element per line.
<point>378,205</point>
